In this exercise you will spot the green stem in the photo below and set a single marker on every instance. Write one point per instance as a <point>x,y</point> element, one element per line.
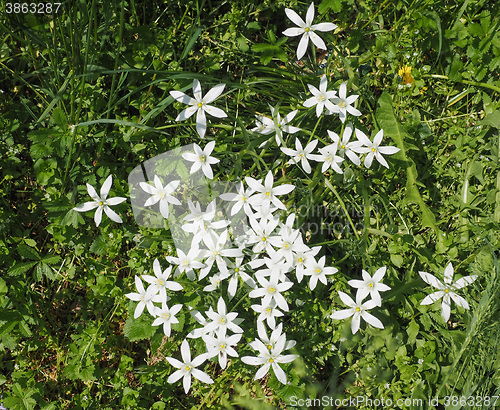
<point>342,204</point>
<point>475,83</point>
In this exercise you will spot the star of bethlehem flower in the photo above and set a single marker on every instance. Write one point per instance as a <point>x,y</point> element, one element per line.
<point>357,310</point>
<point>221,320</point>
<point>329,158</point>
<point>144,297</point>
<point>188,368</point>
<point>265,194</point>
<point>186,263</point>
<point>344,147</point>
<point>321,98</point>
<point>301,154</point>
<point>276,124</point>
<point>371,285</point>
<point>161,194</point>
<point>343,103</point>
<point>317,271</point>
<point>202,159</point>
<point>307,30</point>
<point>268,313</point>
<point>160,283</point>
<point>446,290</point>
<point>270,358</point>
<point>373,149</point>
<point>270,342</point>
<point>166,316</point>
<point>271,290</point>
<point>199,105</point>
<point>102,202</point>
<point>221,346</point>
<point>241,200</point>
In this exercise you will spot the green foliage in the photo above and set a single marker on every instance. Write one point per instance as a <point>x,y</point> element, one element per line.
<point>85,94</point>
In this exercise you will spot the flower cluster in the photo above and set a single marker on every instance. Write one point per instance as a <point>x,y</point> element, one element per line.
<point>268,257</point>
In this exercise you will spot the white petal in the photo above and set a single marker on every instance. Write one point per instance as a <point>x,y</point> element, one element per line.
<point>431,280</point>
<point>448,273</point>
<point>112,214</point>
<point>301,49</point>
<point>106,186</point>
<point>201,123</point>
<point>183,98</point>
<point>295,18</point>
<point>372,320</point>
<point>214,93</point>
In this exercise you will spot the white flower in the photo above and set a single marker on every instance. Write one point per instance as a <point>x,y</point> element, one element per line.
<point>317,271</point>
<point>371,285</point>
<point>277,125</point>
<point>357,310</point>
<point>266,194</point>
<point>202,159</point>
<point>187,368</point>
<point>301,154</point>
<point>344,103</point>
<point>344,147</point>
<point>374,149</point>
<point>329,158</point>
<point>199,105</point>
<point>161,194</point>
<point>241,199</point>
<point>270,359</point>
<point>271,290</point>
<point>221,320</point>
<point>101,202</point>
<point>321,97</point>
<point>186,263</point>
<point>268,312</point>
<point>221,346</point>
<point>270,342</point>
<point>236,271</point>
<point>307,29</point>
<point>166,316</point>
<point>144,297</point>
<point>216,252</point>
<point>446,290</point>
<point>160,283</point>
<point>215,281</point>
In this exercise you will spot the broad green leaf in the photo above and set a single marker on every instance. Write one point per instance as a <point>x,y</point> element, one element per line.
<point>27,252</point>
<point>138,329</point>
<point>412,331</point>
<point>21,268</point>
<point>393,129</point>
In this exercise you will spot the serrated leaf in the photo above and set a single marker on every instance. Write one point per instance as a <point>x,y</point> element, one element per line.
<point>21,268</point>
<point>99,246</point>
<point>412,331</point>
<point>59,118</point>
<point>27,252</point>
<point>138,329</point>
<point>42,269</point>
<point>493,119</point>
<point>51,260</point>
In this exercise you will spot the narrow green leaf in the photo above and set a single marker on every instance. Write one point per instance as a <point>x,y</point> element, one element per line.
<point>191,42</point>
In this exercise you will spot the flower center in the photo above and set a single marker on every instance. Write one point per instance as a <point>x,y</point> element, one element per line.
<point>271,290</point>
<point>270,347</point>
<point>200,104</point>
<point>271,360</point>
<point>343,147</point>
<point>166,316</point>
<point>358,309</point>
<point>101,203</point>
<point>202,158</point>
<point>222,320</point>
<point>370,285</point>
<point>373,149</point>
<point>307,29</point>
<point>446,290</point>
<point>236,270</point>
<point>342,104</point>
<point>268,193</point>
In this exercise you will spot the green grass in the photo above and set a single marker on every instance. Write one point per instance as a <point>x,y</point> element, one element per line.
<point>85,94</point>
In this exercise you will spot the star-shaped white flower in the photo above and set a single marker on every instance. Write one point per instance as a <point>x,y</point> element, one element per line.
<point>373,149</point>
<point>344,147</point>
<point>265,194</point>
<point>357,310</point>
<point>202,159</point>
<point>166,316</point>
<point>188,368</point>
<point>276,124</point>
<point>160,283</point>
<point>268,312</point>
<point>301,154</point>
<point>161,194</point>
<point>221,346</point>
<point>221,320</point>
<point>307,29</point>
<point>328,156</point>
<point>269,359</point>
<point>371,285</point>
<point>102,203</point>
<point>344,102</point>
<point>186,263</point>
<point>200,105</point>
<point>317,271</point>
<point>321,97</point>
<point>144,297</point>
<point>446,290</point>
